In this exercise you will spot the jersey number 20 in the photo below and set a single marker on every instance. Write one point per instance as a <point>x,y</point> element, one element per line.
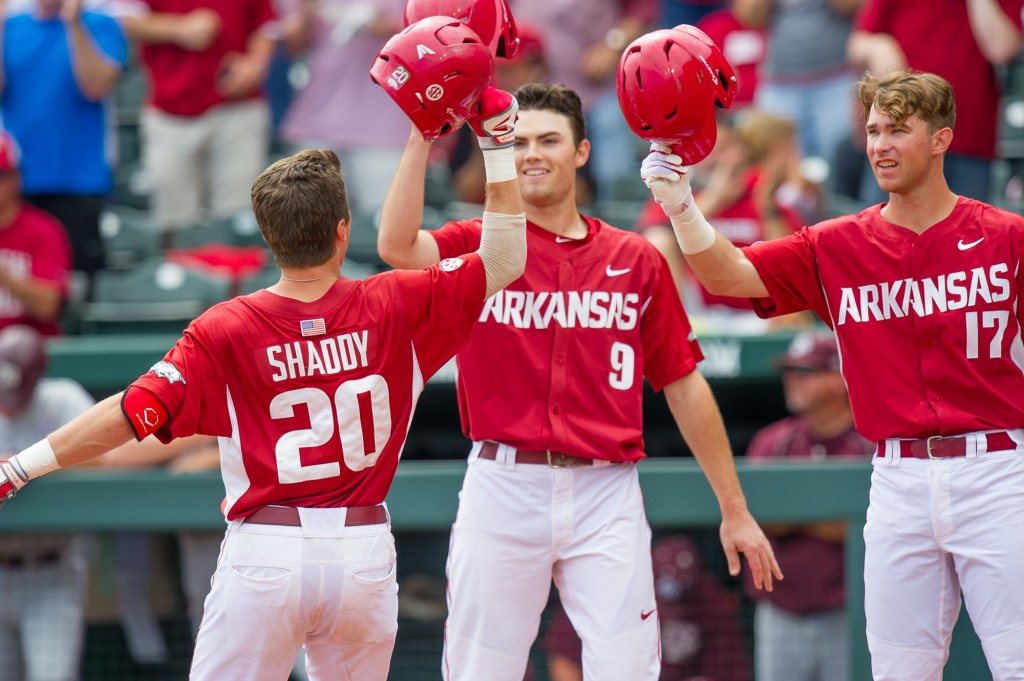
<point>362,411</point>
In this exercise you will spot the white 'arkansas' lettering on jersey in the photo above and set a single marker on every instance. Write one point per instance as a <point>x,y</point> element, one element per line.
<point>568,309</point>
<point>954,291</point>
<point>323,357</point>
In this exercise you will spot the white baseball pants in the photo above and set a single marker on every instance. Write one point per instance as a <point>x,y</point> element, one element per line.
<point>934,527</point>
<point>327,586</point>
<point>520,526</point>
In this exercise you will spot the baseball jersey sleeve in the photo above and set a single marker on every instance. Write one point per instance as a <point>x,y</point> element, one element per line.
<point>183,381</point>
<point>671,350</point>
<point>443,301</point>
<point>458,237</point>
<point>788,268</point>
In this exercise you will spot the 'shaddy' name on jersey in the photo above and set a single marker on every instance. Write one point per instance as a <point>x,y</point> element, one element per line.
<point>583,309</point>
<point>322,357</point>
<point>955,291</point>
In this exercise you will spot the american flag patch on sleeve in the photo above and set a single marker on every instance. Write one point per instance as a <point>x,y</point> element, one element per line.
<point>313,327</point>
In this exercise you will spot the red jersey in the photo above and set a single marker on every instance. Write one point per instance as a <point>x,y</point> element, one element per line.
<point>312,401</point>
<point>34,245</point>
<point>184,82</point>
<point>936,37</point>
<point>929,325</point>
<point>557,359</point>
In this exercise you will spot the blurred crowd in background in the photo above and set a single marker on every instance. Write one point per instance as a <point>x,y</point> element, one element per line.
<point>139,125</point>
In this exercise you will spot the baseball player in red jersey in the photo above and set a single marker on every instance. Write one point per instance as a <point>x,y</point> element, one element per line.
<point>923,293</point>
<point>550,391</point>
<point>310,386</point>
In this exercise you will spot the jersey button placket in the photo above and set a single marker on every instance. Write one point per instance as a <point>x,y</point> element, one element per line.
<point>927,329</point>
<point>559,350</point>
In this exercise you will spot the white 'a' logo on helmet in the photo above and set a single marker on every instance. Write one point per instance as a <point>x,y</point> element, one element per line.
<point>422,50</point>
<point>168,371</point>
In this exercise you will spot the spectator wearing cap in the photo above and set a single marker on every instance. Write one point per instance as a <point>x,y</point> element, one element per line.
<point>35,255</point>
<point>800,627</point>
<point>700,628</point>
<point>60,64</point>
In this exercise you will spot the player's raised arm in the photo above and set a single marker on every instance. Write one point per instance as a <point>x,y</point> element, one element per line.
<point>503,241</point>
<point>94,432</point>
<point>696,414</point>
<point>400,241</point>
<point>720,266</point>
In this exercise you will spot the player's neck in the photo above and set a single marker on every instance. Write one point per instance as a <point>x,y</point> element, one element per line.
<point>919,209</point>
<point>562,219</point>
<point>306,284</point>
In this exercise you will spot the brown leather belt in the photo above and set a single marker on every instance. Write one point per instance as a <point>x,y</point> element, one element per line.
<point>17,561</point>
<point>282,515</point>
<point>938,447</point>
<point>489,451</point>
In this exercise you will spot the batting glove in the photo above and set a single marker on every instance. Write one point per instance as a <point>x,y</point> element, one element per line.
<point>668,179</point>
<point>12,479</point>
<point>495,121</point>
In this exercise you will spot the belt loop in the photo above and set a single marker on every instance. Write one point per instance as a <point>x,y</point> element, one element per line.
<point>505,456</point>
<point>893,452</point>
<point>976,445</point>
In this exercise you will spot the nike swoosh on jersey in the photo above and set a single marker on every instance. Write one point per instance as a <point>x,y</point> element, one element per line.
<point>645,615</point>
<point>615,273</point>
<point>563,239</point>
<point>963,247</point>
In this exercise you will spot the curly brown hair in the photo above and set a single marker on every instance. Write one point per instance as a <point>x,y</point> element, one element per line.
<point>902,94</point>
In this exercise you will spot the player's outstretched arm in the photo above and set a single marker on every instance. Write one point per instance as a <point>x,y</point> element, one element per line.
<point>94,432</point>
<point>696,414</point>
<point>503,241</point>
<point>400,241</point>
<point>720,266</point>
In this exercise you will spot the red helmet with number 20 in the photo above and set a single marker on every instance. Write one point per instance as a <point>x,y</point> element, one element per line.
<point>669,83</point>
<point>435,70</point>
<point>490,19</point>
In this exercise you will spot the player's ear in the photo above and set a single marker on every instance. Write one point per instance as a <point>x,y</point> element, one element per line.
<point>941,139</point>
<point>344,227</point>
<point>582,153</point>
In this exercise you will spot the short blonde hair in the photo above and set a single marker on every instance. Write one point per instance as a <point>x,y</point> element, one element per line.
<point>902,94</point>
<point>298,202</point>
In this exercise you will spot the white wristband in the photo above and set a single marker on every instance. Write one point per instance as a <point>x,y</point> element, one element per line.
<point>693,232</point>
<point>37,459</point>
<point>500,164</point>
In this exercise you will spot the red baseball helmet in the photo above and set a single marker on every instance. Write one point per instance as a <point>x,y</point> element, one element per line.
<point>435,70</point>
<point>22,364</point>
<point>490,19</point>
<point>669,83</point>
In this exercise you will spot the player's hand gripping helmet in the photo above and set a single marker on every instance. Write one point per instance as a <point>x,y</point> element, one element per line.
<point>435,70</point>
<point>669,83</point>
<point>22,364</point>
<point>490,19</point>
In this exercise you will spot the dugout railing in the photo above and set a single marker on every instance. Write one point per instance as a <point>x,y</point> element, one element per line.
<point>424,497</point>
